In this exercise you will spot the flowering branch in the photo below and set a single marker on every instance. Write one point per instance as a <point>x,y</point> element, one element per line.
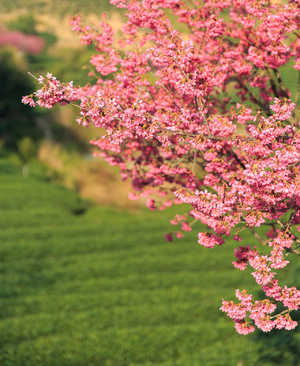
<point>206,121</point>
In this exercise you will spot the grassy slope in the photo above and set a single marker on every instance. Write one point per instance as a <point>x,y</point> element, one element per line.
<point>104,288</point>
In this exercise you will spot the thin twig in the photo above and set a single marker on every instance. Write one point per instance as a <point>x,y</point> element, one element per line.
<point>194,163</point>
<point>34,77</point>
<point>258,237</point>
<point>166,89</point>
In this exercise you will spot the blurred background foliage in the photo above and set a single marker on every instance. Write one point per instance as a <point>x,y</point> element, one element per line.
<point>16,120</point>
<point>57,7</point>
<point>54,133</point>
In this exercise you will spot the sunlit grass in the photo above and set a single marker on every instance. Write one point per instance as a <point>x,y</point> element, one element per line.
<point>104,287</point>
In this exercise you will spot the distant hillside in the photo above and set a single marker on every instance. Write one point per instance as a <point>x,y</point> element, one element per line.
<point>60,7</point>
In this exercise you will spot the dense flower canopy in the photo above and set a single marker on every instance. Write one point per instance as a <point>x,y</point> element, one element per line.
<point>204,117</point>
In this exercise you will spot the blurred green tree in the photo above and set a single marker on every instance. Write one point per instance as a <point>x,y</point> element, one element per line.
<point>26,152</point>
<point>25,24</point>
<point>16,121</point>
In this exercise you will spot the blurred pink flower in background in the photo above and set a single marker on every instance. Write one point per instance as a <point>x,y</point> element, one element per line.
<point>26,43</point>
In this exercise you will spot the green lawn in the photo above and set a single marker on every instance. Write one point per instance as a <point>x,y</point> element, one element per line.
<point>105,288</point>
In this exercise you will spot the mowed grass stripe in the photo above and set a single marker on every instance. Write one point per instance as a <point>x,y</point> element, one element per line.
<point>112,270</point>
<point>118,291</point>
<point>102,317</point>
<point>80,301</point>
<point>47,246</point>
<point>105,288</point>
<point>131,346</point>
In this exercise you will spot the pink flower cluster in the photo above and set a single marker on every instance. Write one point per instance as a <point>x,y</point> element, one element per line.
<point>174,128</point>
<point>53,92</point>
<point>248,313</point>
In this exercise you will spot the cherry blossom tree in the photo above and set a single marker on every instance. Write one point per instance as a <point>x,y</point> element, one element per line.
<point>203,117</point>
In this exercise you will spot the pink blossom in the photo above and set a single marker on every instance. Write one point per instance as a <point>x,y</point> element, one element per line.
<point>234,311</point>
<point>273,290</point>
<point>291,298</point>
<point>132,196</point>
<point>237,238</point>
<point>265,323</point>
<point>244,328</point>
<point>169,237</point>
<point>283,108</point>
<point>209,240</point>
<point>151,204</point>
<point>29,100</point>
<point>242,254</point>
<point>285,322</point>
<point>186,227</point>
